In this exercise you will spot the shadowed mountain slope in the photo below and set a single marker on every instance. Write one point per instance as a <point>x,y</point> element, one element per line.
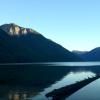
<point>18,44</point>
<point>93,55</point>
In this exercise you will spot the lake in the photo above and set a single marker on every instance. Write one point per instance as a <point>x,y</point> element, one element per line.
<point>33,81</point>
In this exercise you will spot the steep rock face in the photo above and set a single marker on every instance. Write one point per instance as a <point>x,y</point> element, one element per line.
<point>30,46</point>
<point>14,29</point>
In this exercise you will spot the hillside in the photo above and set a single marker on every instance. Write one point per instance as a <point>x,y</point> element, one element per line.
<point>18,44</point>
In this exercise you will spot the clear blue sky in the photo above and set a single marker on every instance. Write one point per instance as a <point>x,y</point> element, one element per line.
<point>75,24</point>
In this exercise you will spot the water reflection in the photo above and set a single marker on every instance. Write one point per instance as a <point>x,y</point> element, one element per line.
<point>41,78</point>
<point>70,78</point>
<point>17,96</point>
<point>66,91</point>
<point>12,93</point>
<point>89,92</point>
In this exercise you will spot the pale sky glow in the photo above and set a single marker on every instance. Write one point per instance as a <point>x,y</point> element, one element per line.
<point>75,24</point>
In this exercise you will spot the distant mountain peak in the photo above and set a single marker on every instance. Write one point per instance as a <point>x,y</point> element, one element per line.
<point>13,29</point>
<point>79,52</point>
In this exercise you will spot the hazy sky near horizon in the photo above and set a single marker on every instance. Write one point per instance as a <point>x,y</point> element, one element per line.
<point>75,24</point>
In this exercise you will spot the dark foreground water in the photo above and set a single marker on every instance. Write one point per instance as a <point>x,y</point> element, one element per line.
<point>34,81</point>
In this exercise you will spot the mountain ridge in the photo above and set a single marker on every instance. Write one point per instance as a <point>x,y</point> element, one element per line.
<point>14,29</point>
<point>92,55</point>
<point>31,47</point>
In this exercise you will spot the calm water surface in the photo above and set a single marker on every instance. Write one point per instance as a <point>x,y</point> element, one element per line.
<point>34,81</point>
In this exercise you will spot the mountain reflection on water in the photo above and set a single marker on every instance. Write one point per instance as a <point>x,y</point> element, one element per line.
<point>39,79</point>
